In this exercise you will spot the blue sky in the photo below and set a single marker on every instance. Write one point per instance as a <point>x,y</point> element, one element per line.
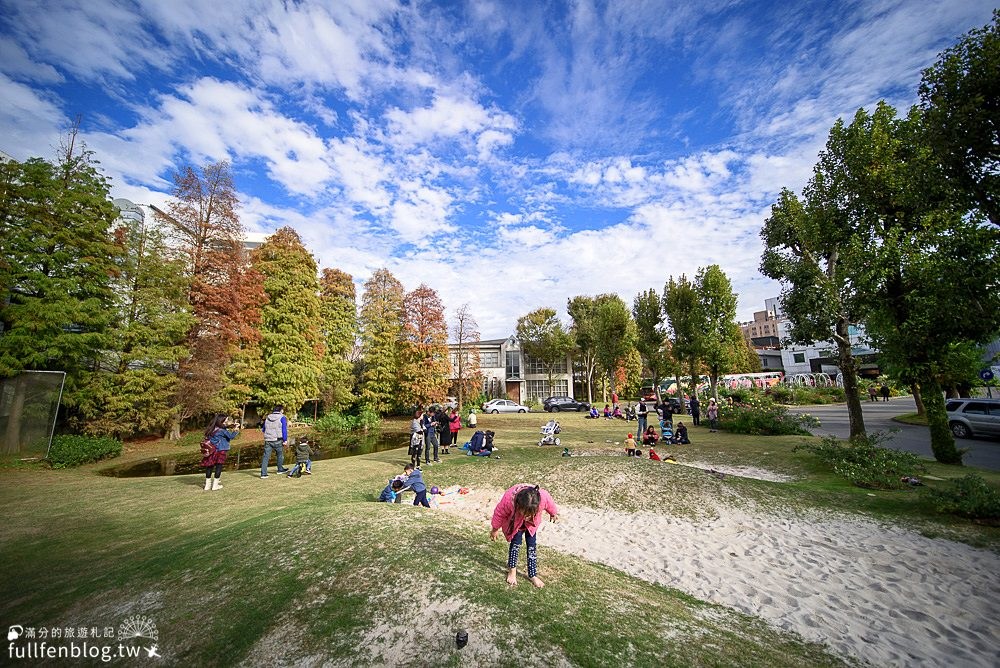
<point>508,154</point>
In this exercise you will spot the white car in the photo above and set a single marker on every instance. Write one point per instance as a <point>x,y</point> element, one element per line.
<point>504,406</point>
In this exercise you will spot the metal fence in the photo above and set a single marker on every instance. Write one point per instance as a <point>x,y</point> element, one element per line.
<point>29,404</point>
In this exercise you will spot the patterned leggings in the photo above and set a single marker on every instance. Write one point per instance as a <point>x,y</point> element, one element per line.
<point>515,547</point>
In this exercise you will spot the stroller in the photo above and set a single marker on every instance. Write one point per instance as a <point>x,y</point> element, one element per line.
<point>549,431</point>
<point>630,413</point>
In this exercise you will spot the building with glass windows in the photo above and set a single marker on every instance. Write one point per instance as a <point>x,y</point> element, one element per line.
<point>509,373</point>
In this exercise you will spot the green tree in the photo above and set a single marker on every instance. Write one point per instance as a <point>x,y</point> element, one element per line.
<point>683,310</point>
<point>468,374</point>
<point>340,326</point>
<point>57,264</point>
<point>244,374</point>
<point>291,341</point>
<point>133,393</point>
<point>614,334</point>
<point>544,338</point>
<point>720,334</point>
<point>582,310</point>
<point>381,322</point>
<point>745,358</point>
<point>647,309</point>
<point>424,367</point>
<point>959,98</point>
<point>810,250</point>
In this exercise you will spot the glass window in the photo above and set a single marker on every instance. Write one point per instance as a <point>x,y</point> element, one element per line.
<point>977,408</point>
<point>539,389</point>
<point>489,359</point>
<point>513,364</point>
<point>799,358</point>
<point>536,367</point>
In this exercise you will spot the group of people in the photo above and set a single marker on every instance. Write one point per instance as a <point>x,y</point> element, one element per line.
<point>873,392</point>
<point>433,428</point>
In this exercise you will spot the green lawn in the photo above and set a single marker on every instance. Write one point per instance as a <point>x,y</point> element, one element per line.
<point>276,571</point>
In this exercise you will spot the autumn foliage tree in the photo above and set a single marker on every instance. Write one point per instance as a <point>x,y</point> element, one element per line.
<point>339,324</point>
<point>468,373</point>
<point>291,340</point>
<point>206,230</point>
<point>381,325</point>
<point>424,368</point>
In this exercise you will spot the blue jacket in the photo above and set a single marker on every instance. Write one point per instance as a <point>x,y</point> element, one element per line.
<point>388,494</point>
<point>220,438</point>
<point>415,481</point>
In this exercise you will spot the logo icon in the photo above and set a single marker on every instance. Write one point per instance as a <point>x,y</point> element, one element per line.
<point>14,632</point>
<point>138,627</point>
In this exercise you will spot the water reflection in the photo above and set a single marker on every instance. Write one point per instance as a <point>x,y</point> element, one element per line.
<point>249,456</point>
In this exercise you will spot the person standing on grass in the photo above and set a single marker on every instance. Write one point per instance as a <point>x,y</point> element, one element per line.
<point>518,515</point>
<point>454,424</point>
<point>713,415</point>
<point>429,424</point>
<point>275,428</point>
<point>220,437</point>
<point>641,414</point>
<point>695,410</point>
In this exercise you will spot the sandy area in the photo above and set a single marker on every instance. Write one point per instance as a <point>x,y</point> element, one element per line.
<point>869,591</point>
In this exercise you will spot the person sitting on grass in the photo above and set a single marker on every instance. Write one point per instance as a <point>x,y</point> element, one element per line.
<point>593,414</point>
<point>617,413</point>
<point>650,437</point>
<point>607,412</point>
<point>680,434</point>
<point>303,461</point>
<point>391,491</point>
<point>652,455</point>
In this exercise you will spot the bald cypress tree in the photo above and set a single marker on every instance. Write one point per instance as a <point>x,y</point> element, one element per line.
<point>381,323</point>
<point>340,328</point>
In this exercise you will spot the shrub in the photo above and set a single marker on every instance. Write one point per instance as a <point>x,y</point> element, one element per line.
<point>364,420</point>
<point>865,463</point>
<point>762,417</point>
<point>969,496</point>
<point>69,451</point>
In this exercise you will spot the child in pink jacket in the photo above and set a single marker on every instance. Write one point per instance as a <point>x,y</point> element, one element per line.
<point>518,515</point>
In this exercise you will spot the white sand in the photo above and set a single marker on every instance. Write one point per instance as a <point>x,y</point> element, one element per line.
<point>868,591</point>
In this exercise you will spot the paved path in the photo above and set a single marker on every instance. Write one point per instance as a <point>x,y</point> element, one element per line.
<point>983,453</point>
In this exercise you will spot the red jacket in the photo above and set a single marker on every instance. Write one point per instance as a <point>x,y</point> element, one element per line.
<point>455,422</point>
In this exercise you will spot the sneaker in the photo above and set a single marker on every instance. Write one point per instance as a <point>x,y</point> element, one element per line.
<point>264,477</point>
<point>437,461</point>
<point>308,472</point>
<point>282,471</point>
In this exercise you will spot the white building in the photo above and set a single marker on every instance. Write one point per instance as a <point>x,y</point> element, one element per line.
<point>822,356</point>
<point>508,373</point>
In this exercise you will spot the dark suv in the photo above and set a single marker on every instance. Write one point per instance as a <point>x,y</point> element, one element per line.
<point>557,404</point>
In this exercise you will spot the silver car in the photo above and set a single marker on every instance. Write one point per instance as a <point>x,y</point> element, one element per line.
<point>504,406</point>
<point>974,417</point>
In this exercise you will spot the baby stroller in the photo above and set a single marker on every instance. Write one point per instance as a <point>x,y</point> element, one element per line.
<point>549,431</point>
<point>630,413</point>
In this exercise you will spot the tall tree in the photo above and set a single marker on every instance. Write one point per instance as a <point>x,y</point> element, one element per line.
<point>468,375</point>
<point>812,254</point>
<point>960,100</point>
<point>924,257</point>
<point>582,310</point>
<point>340,325</point>
<point>615,334</point>
<point>133,393</point>
<point>683,310</point>
<point>720,334</point>
<point>544,338</point>
<point>245,373</point>
<point>424,367</point>
<point>291,340</point>
<point>205,226</point>
<point>381,322</point>
<point>57,262</point>
<point>647,309</point>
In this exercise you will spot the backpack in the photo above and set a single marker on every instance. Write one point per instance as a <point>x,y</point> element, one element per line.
<point>207,448</point>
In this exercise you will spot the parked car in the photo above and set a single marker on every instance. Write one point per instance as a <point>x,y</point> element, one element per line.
<point>504,406</point>
<point>974,417</point>
<point>447,404</point>
<point>557,404</point>
<point>647,393</point>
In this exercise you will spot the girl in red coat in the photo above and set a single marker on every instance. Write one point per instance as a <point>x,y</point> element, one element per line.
<point>518,515</point>
<point>454,425</point>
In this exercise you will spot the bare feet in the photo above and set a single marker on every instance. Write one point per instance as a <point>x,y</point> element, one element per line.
<point>512,577</point>
<point>537,581</point>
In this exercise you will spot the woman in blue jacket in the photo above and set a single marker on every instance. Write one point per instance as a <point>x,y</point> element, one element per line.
<point>220,438</point>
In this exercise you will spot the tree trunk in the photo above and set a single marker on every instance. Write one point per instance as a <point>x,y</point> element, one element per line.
<point>848,367</point>
<point>942,440</point>
<point>919,400</point>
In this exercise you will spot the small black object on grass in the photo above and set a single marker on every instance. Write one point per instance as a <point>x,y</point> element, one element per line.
<point>461,638</point>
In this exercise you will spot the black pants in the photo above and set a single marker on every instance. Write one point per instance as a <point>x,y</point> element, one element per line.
<point>421,499</point>
<point>515,547</point>
<point>218,471</point>
<point>696,417</point>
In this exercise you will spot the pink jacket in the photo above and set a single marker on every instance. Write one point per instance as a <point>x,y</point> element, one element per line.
<point>503,514</point>
<point>455,422</point>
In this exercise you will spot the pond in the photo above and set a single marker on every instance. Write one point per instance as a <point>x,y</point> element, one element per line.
<point>249,456</point>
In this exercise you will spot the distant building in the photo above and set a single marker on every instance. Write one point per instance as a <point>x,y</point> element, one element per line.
<point>762,331</point>
<point>508,372</point>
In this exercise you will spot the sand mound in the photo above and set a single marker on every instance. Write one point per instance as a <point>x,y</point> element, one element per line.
<point>869,591</point>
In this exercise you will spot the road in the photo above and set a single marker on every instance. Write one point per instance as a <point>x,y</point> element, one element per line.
<point>983,453</point>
